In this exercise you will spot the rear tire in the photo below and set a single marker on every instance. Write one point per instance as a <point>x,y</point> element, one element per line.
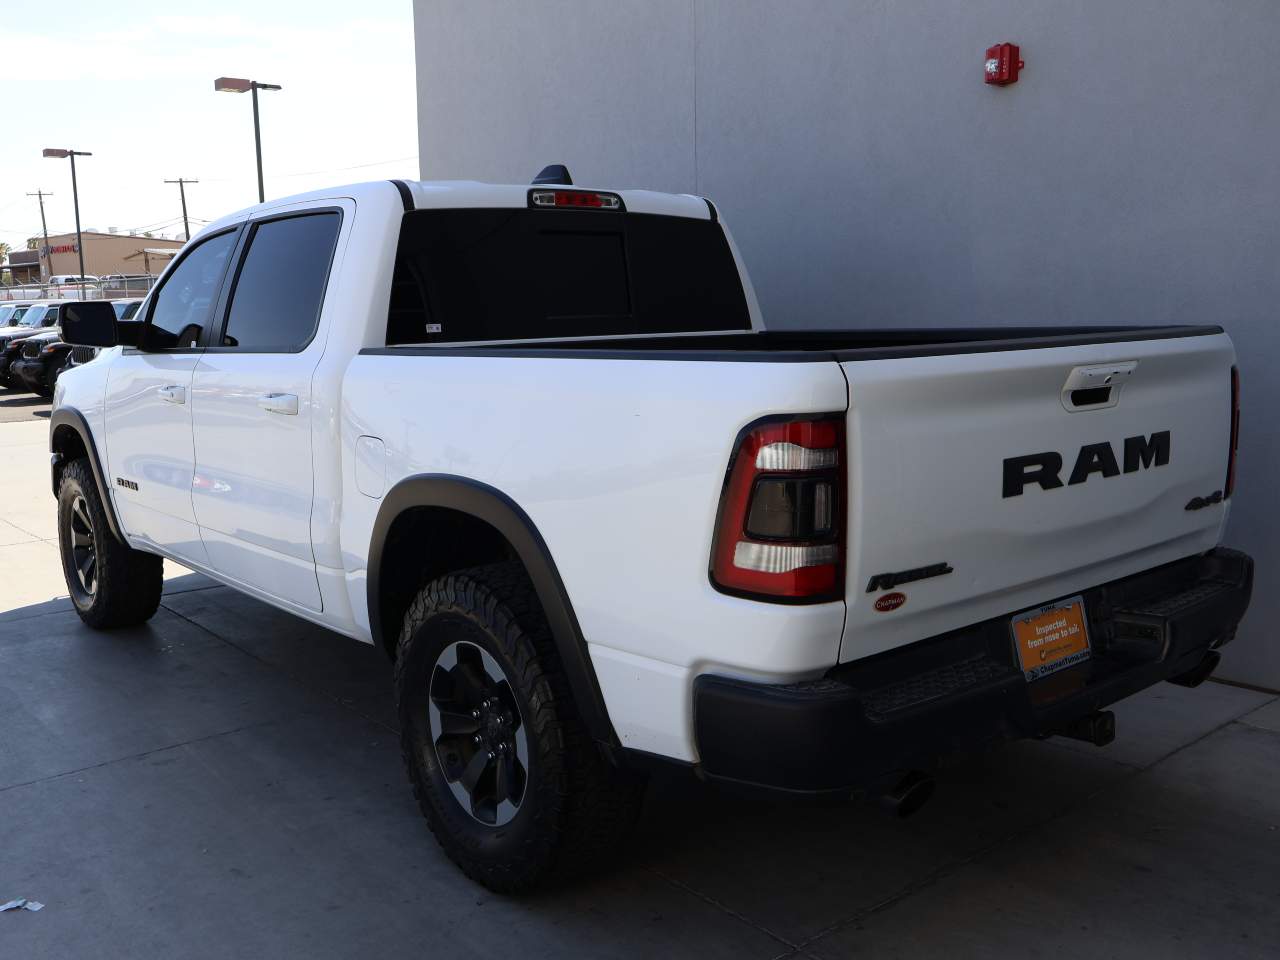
<point>111,584</point>
<point>560,807</point>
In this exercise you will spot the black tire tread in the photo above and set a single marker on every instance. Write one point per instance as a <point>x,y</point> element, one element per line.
<point>595,804</point>
<point>129,581</point>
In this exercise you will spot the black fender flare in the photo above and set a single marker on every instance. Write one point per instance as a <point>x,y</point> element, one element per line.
<point>70,417</point>
<point>495,508</point>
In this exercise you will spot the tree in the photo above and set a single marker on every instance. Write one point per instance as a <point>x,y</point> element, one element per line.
<point>4,250</point>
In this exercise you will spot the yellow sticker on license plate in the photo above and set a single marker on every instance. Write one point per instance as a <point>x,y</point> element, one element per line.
<point>1051,638</point>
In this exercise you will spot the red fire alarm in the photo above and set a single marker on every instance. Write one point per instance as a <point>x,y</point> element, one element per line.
<point>1003,64</point>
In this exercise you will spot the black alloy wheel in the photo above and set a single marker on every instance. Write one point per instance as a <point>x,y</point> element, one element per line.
<point>84,551</point>
<point>478,733</point>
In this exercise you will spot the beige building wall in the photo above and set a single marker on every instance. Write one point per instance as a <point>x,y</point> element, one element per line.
<point>104,253</point>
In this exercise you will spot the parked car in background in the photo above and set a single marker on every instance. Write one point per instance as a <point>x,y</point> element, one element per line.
<point>7,311</point>
<point>73,356</point>
<point>39,359</point>
<point>36,317</point>
<point>129,282</point>
<point>11,316</point>
<point>76,357</point>
<point>125,308</point>
<point>74,287</point>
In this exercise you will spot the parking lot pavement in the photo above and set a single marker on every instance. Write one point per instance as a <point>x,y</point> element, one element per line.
<point>15,407</point>
<point>226,782</point>
<point>30,573</point>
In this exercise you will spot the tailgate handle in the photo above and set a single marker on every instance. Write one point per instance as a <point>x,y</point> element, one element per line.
<point>1096,387</point>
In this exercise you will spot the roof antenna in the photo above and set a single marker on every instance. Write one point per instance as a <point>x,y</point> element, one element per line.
<point>555,173</point>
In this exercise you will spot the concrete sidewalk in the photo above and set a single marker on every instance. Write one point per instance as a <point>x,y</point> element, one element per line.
<point>30,571</point>
<point>226,782</point>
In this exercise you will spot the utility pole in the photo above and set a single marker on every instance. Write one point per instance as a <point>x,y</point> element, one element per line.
<point>182,192</point>
<point>44,228</point>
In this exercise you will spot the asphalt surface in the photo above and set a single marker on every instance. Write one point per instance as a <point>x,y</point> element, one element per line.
<point>16,406</point>
<point>226,781</point>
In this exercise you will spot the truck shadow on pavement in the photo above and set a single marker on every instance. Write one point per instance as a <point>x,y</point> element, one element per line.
<point>231,759</point>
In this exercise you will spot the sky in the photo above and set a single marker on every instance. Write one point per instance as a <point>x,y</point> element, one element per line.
<point>132,82</point>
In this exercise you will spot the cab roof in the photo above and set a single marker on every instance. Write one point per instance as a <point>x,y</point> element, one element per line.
<point>455,194</point>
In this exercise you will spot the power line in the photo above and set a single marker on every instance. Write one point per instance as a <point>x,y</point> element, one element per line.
<point>314,173</point>
<point>358,166</point>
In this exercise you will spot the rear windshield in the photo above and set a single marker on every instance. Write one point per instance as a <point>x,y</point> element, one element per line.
<point>504,274</point>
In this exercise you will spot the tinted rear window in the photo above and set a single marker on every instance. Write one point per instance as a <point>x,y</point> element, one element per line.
<point>468,275</point>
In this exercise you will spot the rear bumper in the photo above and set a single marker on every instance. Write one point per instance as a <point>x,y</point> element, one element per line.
<point>902,710</point>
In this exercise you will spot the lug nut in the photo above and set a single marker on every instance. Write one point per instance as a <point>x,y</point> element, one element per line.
<point>492,755</point>
<point>478,739</point>
<point>475,714</point>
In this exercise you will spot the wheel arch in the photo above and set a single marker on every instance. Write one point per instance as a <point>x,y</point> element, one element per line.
<point>69,439</point>
<point>480,503</point>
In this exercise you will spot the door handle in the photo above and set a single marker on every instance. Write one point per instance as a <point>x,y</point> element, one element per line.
<point>286,403</point>
<point>173,394</point>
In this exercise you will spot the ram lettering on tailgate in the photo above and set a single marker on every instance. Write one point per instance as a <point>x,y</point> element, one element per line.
<point>1044,468</point>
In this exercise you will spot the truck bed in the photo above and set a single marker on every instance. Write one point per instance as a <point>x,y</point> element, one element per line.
<point>932,427</point>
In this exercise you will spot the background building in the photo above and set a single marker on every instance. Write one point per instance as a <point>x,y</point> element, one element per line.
<point>104,253</point>
<point>872,178</point>
<point>22,267</point>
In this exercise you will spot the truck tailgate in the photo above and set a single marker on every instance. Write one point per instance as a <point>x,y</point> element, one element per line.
<point>938,516</point>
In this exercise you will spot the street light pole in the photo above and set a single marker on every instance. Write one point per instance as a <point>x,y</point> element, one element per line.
<point>75,200</point>
<point>257,140</point>
<point>240,85</point>
<point>186,227</point>
<point>44,228</point>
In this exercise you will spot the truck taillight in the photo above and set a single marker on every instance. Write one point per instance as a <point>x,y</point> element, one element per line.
<point>779,535</point>
<point>1235,433</point>
<point>577,199</point>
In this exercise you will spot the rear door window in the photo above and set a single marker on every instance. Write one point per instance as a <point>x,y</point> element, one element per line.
<point>275,302</point>
<point>515,274</point>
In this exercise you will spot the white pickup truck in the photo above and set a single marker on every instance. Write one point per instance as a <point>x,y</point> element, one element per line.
<point>535,443</point>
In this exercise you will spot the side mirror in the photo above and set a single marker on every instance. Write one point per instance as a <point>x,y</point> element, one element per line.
<point>129,332</point>
<point>89,323</point>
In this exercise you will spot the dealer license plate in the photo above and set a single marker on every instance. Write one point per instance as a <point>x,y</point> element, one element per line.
<point>1051,638</point>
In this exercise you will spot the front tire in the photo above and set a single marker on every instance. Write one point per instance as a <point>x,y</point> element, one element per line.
<point>110,583</point>
<point>511,784</point>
